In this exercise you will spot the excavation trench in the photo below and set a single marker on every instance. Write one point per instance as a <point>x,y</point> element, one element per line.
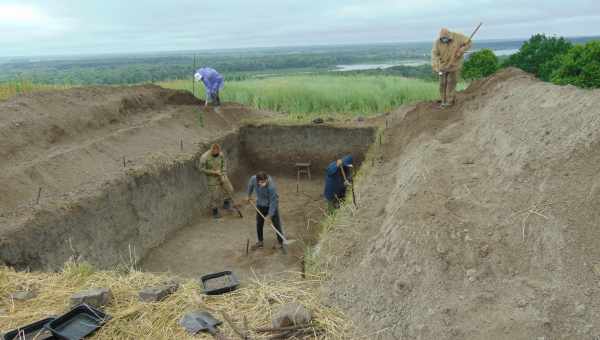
<point>158,218</point>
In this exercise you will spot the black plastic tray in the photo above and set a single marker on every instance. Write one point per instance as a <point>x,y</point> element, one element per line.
<point>233,283</point>
<point>78,323</point>
<point>32,331</point>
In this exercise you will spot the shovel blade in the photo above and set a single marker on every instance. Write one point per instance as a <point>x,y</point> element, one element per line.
<point>199,321</point>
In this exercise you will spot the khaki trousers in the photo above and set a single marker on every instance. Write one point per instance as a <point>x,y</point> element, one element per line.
<point>448,82</point>
<point>220,193</point>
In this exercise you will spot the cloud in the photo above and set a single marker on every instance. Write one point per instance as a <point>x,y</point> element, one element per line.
<point>90,26</point>
<point>23,24</point>
<point>20,14</point>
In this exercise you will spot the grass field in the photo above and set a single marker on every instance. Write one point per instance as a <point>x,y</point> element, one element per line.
<point>323,94</point>
<point>301,96</point>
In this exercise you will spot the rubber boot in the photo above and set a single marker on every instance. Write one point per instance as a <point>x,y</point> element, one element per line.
<point>227,205</point>
<point>215,213</point>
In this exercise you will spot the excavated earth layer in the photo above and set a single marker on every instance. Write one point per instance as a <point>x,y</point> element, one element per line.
<point>108,174</point>
<point>478,222</point>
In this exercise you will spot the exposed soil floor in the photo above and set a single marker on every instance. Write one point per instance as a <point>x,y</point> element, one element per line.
<point>211,245</point>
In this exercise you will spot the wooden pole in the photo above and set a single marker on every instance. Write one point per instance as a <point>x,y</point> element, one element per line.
<point>193,78</point>
<point>37,201</point>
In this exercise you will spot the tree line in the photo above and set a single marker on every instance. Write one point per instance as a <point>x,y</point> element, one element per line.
<point>552,59</point>
<point>234,65</point>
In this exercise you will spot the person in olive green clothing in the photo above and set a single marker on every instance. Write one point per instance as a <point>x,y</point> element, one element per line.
<point>213,165</point>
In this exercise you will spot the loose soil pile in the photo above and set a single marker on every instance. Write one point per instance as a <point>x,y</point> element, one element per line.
<point>70,142</point>
<point>479,221</point>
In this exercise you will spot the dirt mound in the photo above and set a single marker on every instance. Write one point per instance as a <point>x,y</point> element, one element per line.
<point>62,144</point>
<point>480,221</point>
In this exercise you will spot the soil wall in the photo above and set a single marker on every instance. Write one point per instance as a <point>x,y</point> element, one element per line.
<point>120,223</point>
<point>278,147</point>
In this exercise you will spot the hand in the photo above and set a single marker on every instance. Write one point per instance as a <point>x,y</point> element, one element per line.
<point>268,219</point>
<point>248,200</point>
<point>347,183</point>
<point>338,163</point>
<point>205,103</point>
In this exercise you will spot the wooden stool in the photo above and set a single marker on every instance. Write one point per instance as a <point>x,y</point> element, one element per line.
<point>302,168</point>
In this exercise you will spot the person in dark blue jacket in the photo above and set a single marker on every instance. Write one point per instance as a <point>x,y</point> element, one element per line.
<point>338,177</point>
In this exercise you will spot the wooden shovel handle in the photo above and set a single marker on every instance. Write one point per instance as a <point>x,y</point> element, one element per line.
<point>285,241</point>
<point>344,173</point>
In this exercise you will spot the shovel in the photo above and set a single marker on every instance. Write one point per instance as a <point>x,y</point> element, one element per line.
<point>202,322</point>
<point>286,242</point>
<point>352,184</point>
<point>226,185</point>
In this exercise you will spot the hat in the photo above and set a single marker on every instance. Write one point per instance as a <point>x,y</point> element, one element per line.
<point>198,76</point>
<point>347,161</point>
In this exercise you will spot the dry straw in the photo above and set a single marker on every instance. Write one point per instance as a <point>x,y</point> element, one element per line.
<point>255,301</point>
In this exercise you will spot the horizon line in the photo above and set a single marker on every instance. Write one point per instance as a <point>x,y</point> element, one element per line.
<point>184,51</point>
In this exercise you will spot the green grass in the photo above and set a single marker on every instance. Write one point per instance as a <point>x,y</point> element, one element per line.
<point>311,95</point>
<point>13,88</point>
<point>303,97</point>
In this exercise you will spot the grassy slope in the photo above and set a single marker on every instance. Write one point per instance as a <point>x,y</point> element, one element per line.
<point>302,96</point>
<point>324,94</point>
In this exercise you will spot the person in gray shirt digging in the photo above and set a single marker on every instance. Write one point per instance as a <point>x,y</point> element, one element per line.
<point>267,205</point>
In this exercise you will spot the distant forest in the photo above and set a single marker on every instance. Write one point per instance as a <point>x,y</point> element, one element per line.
<point>234,64</point>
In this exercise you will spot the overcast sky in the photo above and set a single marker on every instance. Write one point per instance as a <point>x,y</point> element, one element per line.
<point>51,27</point>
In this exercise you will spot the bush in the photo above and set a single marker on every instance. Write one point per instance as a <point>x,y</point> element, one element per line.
<point>580,66</point>
<point>480,64</point>
<point>540,55</point>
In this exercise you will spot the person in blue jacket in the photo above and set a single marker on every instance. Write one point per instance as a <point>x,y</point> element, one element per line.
<point>213,82</point>
<point>338,177</point>
<point>267,202</point>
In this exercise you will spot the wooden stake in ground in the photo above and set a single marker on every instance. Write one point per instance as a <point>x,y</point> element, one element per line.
<point>37,201</point>
<point>194,78</point>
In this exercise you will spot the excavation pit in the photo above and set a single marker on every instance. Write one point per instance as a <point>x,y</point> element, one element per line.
<point>207,245</point>
<point>152,212</point>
